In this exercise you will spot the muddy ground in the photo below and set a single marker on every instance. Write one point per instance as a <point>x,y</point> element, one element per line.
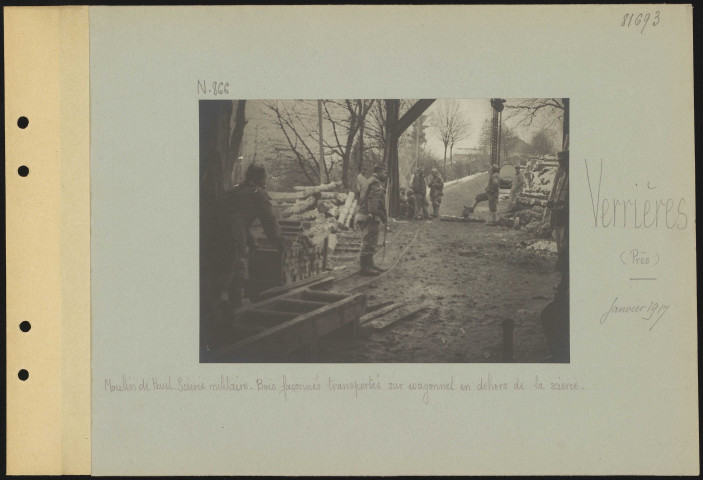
<point>470,277</point>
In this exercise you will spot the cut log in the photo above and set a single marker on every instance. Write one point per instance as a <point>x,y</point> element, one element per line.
<point>288,195</point>
<point>385,321</point>
<point>319,188</point>
<point>299,207</point>
<point>304,217</point>
<point>345,210</point>
<point>352,212</point>
<point>337,197</point>
<point>283,202</point>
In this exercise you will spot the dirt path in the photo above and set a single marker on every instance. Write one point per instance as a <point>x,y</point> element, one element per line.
<point>468,276</point>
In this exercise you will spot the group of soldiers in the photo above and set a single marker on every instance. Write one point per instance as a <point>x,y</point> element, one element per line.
<point>413,200</point>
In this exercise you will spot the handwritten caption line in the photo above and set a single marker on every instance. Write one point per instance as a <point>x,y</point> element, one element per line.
<point>373,384</point>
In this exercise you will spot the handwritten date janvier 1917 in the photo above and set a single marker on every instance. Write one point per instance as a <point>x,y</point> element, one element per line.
<point>651,312</point>
<point>638,19</point>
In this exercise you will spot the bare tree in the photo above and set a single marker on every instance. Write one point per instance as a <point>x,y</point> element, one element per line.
<point>461,129</point>
<point>542,112</point>
<point>542,143</point>
<point>301,136</point>
<point>346,118</point>
<point>484,139</point>
<point>376,125</point>
<point>449,125</point>
<point>508,140</point>
<point>299,125</point>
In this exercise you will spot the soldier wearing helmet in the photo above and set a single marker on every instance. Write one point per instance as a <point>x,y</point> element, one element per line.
<point>490,195</point>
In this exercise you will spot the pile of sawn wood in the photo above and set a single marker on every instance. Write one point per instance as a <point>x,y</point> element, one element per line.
<point>321,211</point>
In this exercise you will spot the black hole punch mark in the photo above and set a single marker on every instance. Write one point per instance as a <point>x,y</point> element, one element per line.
<point>23,171</point>
<point>25,326</point>
<point>23,374</point>
<point>22,122</point>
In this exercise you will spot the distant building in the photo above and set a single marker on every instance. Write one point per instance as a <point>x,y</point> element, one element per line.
<point>465,154</point>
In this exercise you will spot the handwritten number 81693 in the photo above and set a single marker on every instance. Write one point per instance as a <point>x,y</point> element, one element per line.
<point>637,19</point>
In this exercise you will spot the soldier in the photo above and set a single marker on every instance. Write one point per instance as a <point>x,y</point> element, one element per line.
<point>517,186</point>
<point>372,212</point>
<point>411,203</point>
<point>436,184</point>
<point>491,194</point>
<point>403,203</point>
<point>420,190</point>
<point>236,211</point>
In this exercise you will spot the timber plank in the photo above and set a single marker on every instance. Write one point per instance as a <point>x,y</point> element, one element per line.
<point>296,333</point>
<point>379,313</point>
<point>384,321</point>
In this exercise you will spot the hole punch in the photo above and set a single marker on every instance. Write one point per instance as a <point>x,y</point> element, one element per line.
<point>22,122</point>
<point>23,374</point>
<point>23,171</point>
<point>25,326</point>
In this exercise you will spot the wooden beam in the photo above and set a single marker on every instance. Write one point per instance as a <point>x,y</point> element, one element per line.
<point>385,321</point>
<point>317,280</point>
<point>379,313</point>
<point>273,343</point>
<point>411,115</point>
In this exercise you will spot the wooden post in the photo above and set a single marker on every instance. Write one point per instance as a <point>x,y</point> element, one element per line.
<point>390,155</point>
<point>394,129</point>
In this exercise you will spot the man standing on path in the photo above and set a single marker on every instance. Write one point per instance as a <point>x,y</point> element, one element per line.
<point>491,194</point>
<point>436,184</point>
<point>371,213</point>
<point>420,190</point>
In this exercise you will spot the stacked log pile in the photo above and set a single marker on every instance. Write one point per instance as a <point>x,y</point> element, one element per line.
<point>531,205</point>
<point>542,183</point>
<point>309,219</point>
<point>323,206</point>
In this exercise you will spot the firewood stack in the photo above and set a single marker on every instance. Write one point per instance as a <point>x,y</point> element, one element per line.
<point>309,219</point>
<point>538,193</point>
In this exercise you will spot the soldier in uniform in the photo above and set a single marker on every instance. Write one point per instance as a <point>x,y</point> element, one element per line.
<point>436,184</point>
<point>420,190</point>
<point>491,194</point>
<point>403,203</point>
<point>236,211</point>
<point>372,212</point>
<point>411,203</point>
<point>555,316</point>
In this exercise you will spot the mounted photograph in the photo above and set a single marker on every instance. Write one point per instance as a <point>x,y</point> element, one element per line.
<point>384,230</point>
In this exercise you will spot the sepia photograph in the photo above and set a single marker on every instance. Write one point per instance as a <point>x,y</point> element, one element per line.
<point>376,230</point>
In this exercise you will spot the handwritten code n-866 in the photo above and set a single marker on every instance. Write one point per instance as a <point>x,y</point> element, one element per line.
<point>641,20</point>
